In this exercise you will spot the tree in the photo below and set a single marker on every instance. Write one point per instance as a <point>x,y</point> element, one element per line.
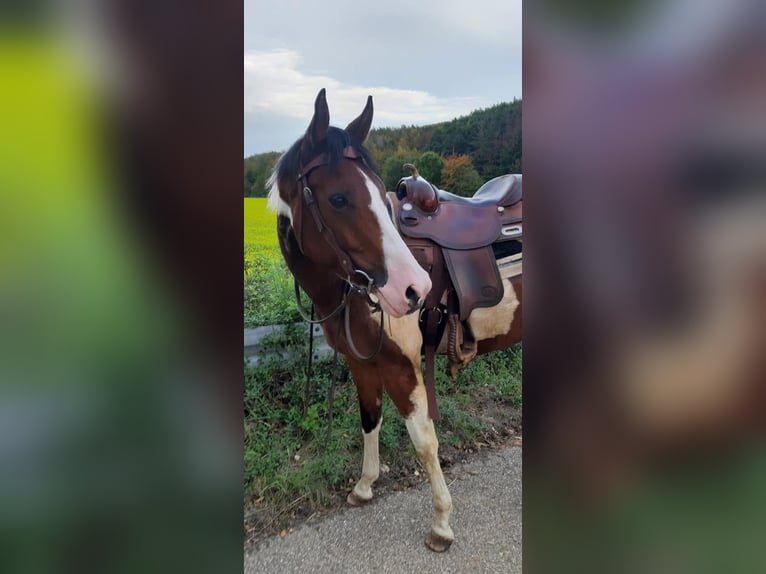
<point>257,171</point>
<point>249,181</point>
<point>492,137</point>
<point>459,176</point>
<point>430,166</point>
<point>392,169</point>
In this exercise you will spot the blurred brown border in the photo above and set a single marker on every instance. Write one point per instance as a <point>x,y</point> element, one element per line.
<point>644,395</point>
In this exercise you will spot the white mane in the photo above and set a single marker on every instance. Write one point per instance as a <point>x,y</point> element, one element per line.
<point>275,202</point>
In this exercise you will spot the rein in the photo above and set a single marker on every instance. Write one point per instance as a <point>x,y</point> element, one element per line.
<point>344,259</point>
<point>347,317</point>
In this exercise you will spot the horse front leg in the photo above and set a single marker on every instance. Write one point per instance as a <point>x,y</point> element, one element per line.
<point>403,381</point>
<point>370,408</point>
<point>421,430</point>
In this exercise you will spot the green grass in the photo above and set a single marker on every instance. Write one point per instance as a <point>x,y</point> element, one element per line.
<point>260,230</point>
<point>269,298</point>
<point>269,293</point>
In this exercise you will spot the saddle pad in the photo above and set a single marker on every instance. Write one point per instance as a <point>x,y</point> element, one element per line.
<point>476,278</point>
<point>454,226</point>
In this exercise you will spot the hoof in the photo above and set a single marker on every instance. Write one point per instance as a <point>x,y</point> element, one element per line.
<point>354,500</point>
<point>437,543</point>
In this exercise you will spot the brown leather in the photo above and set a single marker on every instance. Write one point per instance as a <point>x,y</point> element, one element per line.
<point>504,190</point>
<point>475,277</point>
<point>512,213</point>
<point>306,196</point>
<point>454,225</point>
<point>419,192</point>
<point>461,345</point>
<point>432,319</point>
<point>458,225</point>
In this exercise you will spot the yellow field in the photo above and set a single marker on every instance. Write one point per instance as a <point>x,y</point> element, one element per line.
<point>260,229</point>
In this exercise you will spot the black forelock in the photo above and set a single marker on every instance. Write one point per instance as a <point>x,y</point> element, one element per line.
<point>335,142</point>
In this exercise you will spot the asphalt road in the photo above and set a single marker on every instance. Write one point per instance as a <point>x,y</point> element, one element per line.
<point>388,534</point>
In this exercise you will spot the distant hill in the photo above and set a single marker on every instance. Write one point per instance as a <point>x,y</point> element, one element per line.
<point>490,137</point>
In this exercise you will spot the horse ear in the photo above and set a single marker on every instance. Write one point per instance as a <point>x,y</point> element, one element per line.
<point>319,125</point>
<point>360,127</point>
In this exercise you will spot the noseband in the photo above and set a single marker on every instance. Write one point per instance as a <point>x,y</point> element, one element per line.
<point>343,258</point>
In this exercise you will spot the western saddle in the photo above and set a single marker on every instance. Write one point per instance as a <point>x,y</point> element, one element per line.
<point>458,241</point>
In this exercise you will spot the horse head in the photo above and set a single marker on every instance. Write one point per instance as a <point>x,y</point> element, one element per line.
<point>336,213</point>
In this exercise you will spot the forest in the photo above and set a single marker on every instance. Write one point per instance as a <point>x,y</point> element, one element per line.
<point>457,155</point>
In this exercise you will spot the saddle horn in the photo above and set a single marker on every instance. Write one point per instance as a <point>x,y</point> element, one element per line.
<point>418,190</point>
<point>413,169</point>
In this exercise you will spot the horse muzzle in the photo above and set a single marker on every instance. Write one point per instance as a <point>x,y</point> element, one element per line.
<point>404,293</point>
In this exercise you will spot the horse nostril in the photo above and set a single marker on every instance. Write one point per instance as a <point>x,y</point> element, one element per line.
<point>380,278</point>
<point>414,299</point>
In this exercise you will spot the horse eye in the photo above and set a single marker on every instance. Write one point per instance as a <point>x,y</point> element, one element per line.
<point>338,201</point>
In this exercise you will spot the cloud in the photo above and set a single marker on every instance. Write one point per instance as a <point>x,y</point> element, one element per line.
<point>493,23</point>
<point>275,83</point>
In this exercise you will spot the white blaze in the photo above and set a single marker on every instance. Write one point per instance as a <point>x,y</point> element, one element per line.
<point>403,271</point>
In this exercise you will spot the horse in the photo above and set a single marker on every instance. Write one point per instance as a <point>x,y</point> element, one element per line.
<point>337,234</point>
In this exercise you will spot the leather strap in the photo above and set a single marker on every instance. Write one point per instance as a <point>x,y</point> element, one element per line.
<point>432,323</point>
<point>433,316</point>
<point>308,198</point>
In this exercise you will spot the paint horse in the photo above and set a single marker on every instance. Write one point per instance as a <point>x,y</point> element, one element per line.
<point>337,233</point>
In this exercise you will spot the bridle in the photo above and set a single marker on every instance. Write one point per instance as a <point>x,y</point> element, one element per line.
<point>350,287</point>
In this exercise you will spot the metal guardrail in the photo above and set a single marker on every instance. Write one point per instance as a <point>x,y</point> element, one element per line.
<point>255,350</point>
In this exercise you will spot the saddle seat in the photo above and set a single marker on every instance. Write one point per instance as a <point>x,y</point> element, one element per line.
<point>502,191</point>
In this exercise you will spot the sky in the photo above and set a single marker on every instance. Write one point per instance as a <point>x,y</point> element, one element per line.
<point>422,62</point>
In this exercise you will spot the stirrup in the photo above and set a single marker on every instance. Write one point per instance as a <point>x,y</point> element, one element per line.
<point>461,347</point>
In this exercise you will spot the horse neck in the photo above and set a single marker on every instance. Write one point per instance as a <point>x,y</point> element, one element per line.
<point>321,282</point>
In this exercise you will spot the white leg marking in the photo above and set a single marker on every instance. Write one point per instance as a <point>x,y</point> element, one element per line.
<point>421,430</point>
<point>370,464</point>
<point>405,333</point>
